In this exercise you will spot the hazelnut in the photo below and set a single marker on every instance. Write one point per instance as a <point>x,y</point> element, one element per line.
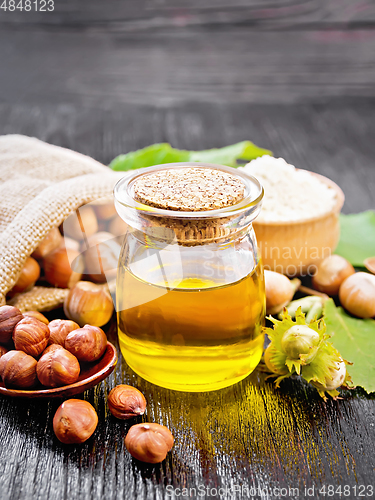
<point>52,347</point>
<point>101,257</point>
<point>357,295</point>
<point>87,303</point>
<point>29,275</point>
<point>3,350</point>
<point>74,421</point>
<point>331,272</point>
<point>126,402</point>
<point>31,336</point>
<point>81,223</point>
<point>118,227</point>
<point>57,367</point>
<point>59,329</point>
<point>370,264</point>
<point>57,268</point>
<point>52,241</point>
<point>9,317</point>
<point>18,369</point>
<point>279,291</point>
<point>71,244</point>
<point>87,344</point>
<point>149,442</point>
<point>36,315</point>
<point>105,209</point>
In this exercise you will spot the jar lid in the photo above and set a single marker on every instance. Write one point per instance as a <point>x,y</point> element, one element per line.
<point>192,189</point>
<point>192,204</point>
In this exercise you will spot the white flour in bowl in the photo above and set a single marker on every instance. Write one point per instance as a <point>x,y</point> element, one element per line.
<point>289,194</point>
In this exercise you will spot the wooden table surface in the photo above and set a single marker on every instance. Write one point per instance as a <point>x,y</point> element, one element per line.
<point>103,78</point>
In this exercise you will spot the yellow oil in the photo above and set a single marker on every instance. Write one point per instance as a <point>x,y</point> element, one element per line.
<point>195,334</point>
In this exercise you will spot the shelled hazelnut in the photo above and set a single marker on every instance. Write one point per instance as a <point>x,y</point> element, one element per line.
<point>9,317</point>
<point>3,350</point>
<point>88,344</point>
<point>18,369</point>
<point>149,442</point>
<point>52,347</point>
<point>125,402</point>
<point>31,336</point>
<point>88,303</point>
<point>57,367</point>
<point>75,421</point>
<point>59,329</point>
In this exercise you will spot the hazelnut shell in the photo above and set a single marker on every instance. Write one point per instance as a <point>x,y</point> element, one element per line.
<point>331,272</point>
<point>357,295</point>
<point>101,258</point>
<point>57,268</point>
<point>52,241</point>
<point>87,303</point>
<point>29,275</point>
<point>81,224</point>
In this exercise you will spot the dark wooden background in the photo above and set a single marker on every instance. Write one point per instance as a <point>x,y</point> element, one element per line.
<point>106,77</point>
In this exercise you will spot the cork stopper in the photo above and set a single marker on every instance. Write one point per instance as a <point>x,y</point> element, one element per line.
<point>190,189</point>
<point>189,204</point>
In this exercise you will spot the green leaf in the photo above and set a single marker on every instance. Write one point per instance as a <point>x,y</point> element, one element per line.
<point>229,155</point>
<point>357,239</point>
<point>151,155</point>
<point>157,154</point>
<point>355,339</point>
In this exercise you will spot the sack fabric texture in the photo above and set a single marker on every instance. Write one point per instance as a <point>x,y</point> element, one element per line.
<point>40,186</point>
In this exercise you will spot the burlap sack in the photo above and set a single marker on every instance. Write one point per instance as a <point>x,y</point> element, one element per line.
<point>40,185</point>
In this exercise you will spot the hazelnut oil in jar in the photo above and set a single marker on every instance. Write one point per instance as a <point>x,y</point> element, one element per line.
<point>190,288</point>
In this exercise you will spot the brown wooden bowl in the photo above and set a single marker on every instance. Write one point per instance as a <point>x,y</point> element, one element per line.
<point>90,376</point>
<point>296,247</point>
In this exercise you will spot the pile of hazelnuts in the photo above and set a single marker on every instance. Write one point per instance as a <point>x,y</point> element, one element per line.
<point>76,420</point>
<point>51,353</point>
<point>35,351</point>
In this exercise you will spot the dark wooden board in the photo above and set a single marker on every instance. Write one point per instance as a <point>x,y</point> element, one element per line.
<point>155,14</point>
<point>251,434</point>
<point>161,69</point>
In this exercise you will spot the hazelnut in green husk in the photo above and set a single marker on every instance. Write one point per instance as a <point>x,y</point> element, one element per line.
<point>297,347</point>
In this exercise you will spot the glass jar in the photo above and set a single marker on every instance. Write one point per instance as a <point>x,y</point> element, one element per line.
<point>190,289</point>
